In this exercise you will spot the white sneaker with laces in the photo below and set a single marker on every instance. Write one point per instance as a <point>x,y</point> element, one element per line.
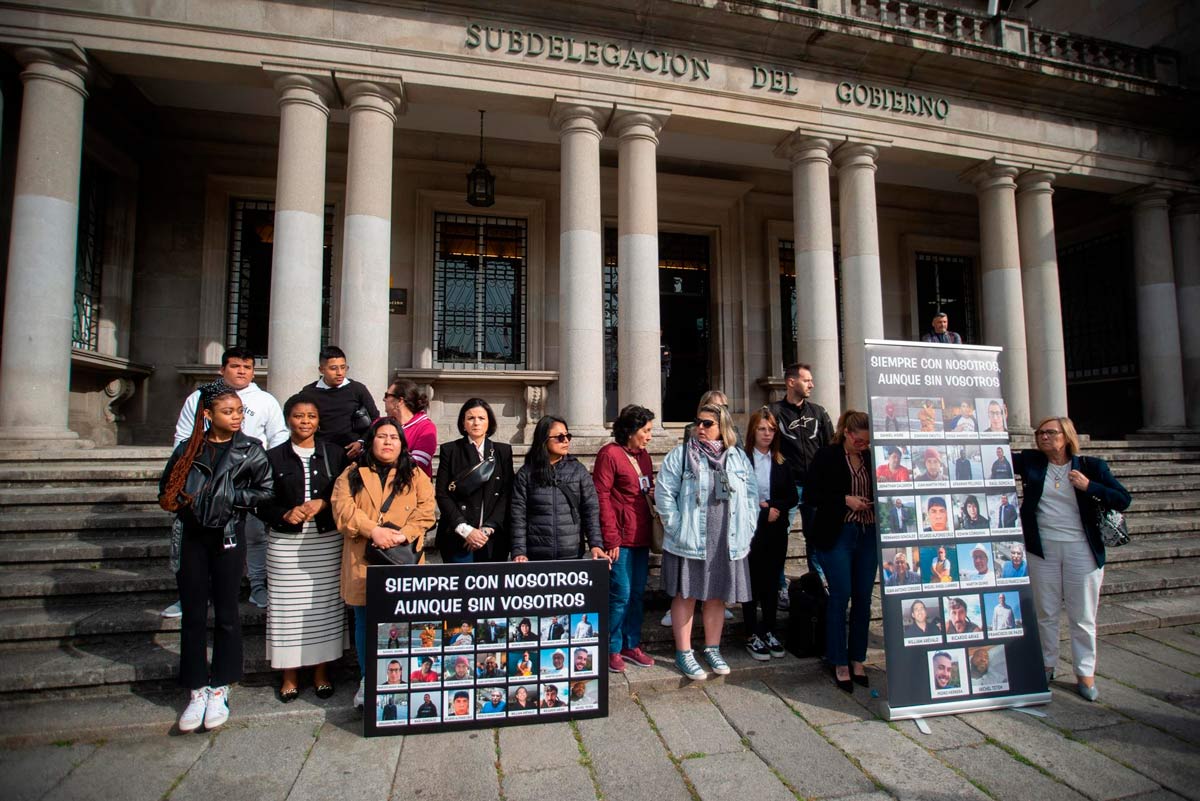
<point>728,614</point>
<point>666,619</point>
<point>173,611</point>
<point>360,695</point>
<point>193,715</point>
<point>218,707</point>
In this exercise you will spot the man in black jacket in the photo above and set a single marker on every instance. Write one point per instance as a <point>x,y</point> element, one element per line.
<point>804,428</point>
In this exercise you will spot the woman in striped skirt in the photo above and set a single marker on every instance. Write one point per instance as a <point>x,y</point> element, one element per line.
<point>305,618</point>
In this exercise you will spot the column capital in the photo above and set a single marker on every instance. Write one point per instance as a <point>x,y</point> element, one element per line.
<point>1035,181</point>
<point>309,90</point>
<point>580,114</point>
<point>992,174</point>
<point>1185,204</point>
<point>856,154</point>
<point>384,94</point>
<point>1151,196</point>
<point>63,67</point>
<point>800,146</point>
<point>638,122</point>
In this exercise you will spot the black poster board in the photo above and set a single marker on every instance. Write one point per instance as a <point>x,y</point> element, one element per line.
<point>470,646</point>
<point>960,625</point>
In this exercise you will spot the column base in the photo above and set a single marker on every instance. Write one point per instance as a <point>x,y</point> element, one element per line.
<point>20,438</point>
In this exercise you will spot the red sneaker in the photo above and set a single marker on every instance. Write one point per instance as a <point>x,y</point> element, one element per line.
<point>638,657</point>
<point>616,664</point>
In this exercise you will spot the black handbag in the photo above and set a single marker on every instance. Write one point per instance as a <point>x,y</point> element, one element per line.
<point>471,480</point>
<point>360,420</point>
<point>405,554</point>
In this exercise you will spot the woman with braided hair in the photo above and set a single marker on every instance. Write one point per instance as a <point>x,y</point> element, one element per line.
<point>211,481</point>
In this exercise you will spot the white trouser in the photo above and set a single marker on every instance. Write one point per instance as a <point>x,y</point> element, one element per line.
<point>1067,576</point>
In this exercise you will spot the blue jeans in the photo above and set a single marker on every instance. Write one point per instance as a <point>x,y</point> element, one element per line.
<point>850,568</point>
<point>360,638</point>
<point>626,588</point>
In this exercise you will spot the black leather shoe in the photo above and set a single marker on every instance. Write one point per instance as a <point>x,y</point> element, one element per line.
<point>845,685</point>
<point>861,681</point>
<point>287,696</point>
<point>324,691</point>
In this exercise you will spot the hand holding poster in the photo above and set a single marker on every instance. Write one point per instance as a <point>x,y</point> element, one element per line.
<point>955,582</point>
<point>483,645</point>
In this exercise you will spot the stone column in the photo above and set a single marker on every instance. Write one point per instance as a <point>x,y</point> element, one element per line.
<point>35,362</point>
<point>862,312</point>
<point>581,265</point>
<point>1160,362</point>
<point>1185,245</point>
<point>366,256</point>
<point>638,331</point>
<point>1002,298</point>
<point>298,253</point>
<point>816,296</point>
<point>1039,284</point>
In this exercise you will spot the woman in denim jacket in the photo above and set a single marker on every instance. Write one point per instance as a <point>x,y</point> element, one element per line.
<point>708,500</point>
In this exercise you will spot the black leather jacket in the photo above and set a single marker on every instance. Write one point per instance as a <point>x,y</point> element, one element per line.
<point>223,488</point>
<point>327,463</point>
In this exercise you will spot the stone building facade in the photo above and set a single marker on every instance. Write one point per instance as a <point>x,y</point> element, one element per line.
<point>727,186</point>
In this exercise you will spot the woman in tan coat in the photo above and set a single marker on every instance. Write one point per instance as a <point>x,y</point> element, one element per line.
<point>383,486</point>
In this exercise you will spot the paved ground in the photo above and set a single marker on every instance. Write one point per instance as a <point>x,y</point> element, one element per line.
<point>776,732</point>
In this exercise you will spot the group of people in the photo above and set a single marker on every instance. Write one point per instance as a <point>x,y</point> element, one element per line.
<point>294,496</point>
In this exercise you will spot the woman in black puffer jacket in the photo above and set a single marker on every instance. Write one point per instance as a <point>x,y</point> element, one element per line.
<point>554,513</point>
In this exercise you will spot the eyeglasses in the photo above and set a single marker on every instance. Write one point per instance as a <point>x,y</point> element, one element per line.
<point>563,437</point>
<point>1047,432</point>
<point>392,396</point>
<point>702,423</point>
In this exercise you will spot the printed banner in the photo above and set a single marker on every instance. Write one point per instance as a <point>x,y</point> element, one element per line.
<point>481,645</point>
<point>960,628</point>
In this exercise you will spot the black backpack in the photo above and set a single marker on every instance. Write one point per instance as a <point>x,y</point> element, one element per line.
<point>806,616</point>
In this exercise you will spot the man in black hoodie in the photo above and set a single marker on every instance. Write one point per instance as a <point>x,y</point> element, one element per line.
<point>804,427</point>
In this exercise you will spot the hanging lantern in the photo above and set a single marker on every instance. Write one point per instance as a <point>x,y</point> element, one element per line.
<point>481,184</point>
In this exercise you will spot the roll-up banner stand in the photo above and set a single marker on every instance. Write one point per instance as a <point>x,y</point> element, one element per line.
<point>960,626</point>
<point>470,646</point>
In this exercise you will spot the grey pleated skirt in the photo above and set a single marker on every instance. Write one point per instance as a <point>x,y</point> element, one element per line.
<point>715,577</point>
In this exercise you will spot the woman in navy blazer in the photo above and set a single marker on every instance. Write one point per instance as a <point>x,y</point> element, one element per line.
<point>1063,493</point>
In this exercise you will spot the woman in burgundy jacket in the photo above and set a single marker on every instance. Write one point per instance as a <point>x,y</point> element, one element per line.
<point>624,479</point>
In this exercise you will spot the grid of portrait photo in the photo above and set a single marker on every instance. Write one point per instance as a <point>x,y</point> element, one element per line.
<point>495,668</point>
<point>953,557</point>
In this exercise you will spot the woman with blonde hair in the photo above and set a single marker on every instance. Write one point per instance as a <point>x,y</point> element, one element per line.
<point>708,500</point>
<point>776,495</point>
<point>839,485</point>
<point>1064,490</point>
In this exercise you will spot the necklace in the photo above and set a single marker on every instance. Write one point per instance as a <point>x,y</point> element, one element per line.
<point>1059,472</point>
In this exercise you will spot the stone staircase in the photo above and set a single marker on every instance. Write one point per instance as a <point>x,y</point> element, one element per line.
<point>83,569</point>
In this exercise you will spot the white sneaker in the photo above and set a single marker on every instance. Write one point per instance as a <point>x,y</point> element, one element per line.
<point>360,695</point>
<point>666,620</point>
<point>218,707</point>
<point>193,716</point>
<point>728,614</point>
<point>174,610</point>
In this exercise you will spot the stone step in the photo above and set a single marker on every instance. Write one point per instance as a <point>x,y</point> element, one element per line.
<point>47,523</point>
<point>87,548</point>
<point>24,583</point>
<point>1147,487</point>
<point>1146,578</point>
<point>119,454</point>
<point>1124,470</point>
<point>22,626</point>
<point>70,474</point>
<point>1157,525</point>
<point>114,660</point>
<point>133,495</point>
<point>1164,502</point>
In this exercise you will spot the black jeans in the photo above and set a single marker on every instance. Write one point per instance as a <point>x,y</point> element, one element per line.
<point>207,571</point>
<point>768,549</point>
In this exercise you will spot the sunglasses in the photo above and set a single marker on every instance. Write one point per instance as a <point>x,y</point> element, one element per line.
<point>563,438</point>
<point>705,423</point>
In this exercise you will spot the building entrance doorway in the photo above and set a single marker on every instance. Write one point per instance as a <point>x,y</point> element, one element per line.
<point>683,285</point>
<point>947,283</point>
